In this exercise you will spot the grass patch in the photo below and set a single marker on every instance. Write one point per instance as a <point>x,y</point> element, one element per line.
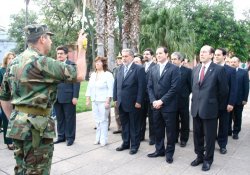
<point>81,105</point>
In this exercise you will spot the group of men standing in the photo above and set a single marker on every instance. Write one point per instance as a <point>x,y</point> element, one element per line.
<point>160,91</point>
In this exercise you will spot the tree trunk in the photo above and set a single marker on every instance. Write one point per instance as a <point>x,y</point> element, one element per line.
<point>110,33</point>
<point>135,25</point>
<point>100,23</point>
<point>126,25</point>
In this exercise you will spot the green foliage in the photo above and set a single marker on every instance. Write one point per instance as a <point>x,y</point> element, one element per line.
<point>81,106</point>
<point>161,26</point>
<point>16,28</point>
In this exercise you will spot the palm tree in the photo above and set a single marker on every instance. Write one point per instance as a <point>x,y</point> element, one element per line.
<point>167,27</point>
<point>110,21</point>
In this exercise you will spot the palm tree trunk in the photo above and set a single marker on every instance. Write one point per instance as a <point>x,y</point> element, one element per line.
<point>110,33</point>
<point>126,24</point>
<point>135,25</point>
<point>100,23</point>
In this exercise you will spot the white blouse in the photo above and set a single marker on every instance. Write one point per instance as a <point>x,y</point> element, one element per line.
<point>102,88</point>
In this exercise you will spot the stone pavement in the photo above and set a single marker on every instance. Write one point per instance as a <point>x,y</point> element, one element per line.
<point>85,158</point>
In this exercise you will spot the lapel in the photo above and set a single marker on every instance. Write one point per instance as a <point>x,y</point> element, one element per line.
<point>151,65</point>
<point>164,70</point>
<point>196,74</point>
<point>131,69</point>
<point>209,72</point>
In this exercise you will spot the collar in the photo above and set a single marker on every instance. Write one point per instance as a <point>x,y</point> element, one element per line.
<point>207,64</point>
<point>128,66</point>
<point>163,64</point>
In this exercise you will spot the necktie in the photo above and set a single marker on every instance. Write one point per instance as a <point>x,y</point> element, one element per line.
<point>202,73</point>
<point>125,71</point>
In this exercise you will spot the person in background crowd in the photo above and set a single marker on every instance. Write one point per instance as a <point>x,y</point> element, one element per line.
<point>100,92</point>
<point>242,80</point>
<point>138,59</point>
<point>163,87</point>
<point>147,110</point>
<point>209,89</point>
<point>65,105</point>
<point>117,118</point>
<point>183,99</point>
<point>129,89</point>
<point>6,61</point>
<point>226,106</point>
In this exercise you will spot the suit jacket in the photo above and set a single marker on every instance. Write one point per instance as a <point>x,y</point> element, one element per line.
<point>164,87</point>
<point>148,73</point>
<point>242,86</point>
<point>131,89</point>
<point>185,86</point>
<point>210,93</point>
<point>232,85</point>
<point>67,91</point>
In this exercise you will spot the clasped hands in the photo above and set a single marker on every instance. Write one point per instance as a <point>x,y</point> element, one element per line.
<point>157,104</point>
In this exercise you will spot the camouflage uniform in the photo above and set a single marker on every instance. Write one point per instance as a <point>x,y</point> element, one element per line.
<point>30,83</point>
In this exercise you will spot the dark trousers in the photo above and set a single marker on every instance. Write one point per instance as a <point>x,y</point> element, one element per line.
<point>236,117</point>
<point>165,121</point>
<point>182,118</point>
<point>204,132</point>
<point>222,137</point>
<point>66,121</point>
<point>147,112</point>
<point>130,127</point>
<point>5,126</point>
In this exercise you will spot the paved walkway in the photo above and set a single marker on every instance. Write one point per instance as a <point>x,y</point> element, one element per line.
<point>85,158</point>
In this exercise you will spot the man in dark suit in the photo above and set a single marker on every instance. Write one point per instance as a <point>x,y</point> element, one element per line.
<point>129,89</point>
<point>163,87</point>
<point>209,89</point>
<point>147,111</point>
<point>183,99</point>
<point>226,106</point>
<point>242,80</point>
<point>65,105</point>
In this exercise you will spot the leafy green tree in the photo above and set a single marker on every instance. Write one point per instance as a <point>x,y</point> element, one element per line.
<point>162,26</point>
<point>17,23</point>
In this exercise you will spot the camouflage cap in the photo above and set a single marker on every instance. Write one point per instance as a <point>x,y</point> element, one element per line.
<point>34,31</point>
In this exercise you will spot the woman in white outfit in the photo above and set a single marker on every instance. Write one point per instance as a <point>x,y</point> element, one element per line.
<point>100,92</point>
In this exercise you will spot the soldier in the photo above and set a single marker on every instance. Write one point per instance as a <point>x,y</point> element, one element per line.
<point>30,85</point>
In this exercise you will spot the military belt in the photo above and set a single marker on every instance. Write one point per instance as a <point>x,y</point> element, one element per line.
<point>32,110</point>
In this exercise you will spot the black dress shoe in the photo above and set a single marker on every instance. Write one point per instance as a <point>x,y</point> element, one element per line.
<point>183,144</point>
<point>235,136</point>
<point>117,132</point>
<point>121,148</point>
<point>196,162</point>
<point>156,154</point>
<point>169,160</point>
<point>69,143</point>
<point>206,166</point>
<point>223,150</point>
<point>133,151</point>
<point>59,141</point>
<point>151,142</point>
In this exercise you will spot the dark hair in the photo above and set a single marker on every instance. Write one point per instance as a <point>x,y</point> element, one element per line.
<point>34,40</point>
<point>64,48</point>
<point>165,49</point>
<point>104,61</point>
<point>224,52</point>
<point>150,50</point>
